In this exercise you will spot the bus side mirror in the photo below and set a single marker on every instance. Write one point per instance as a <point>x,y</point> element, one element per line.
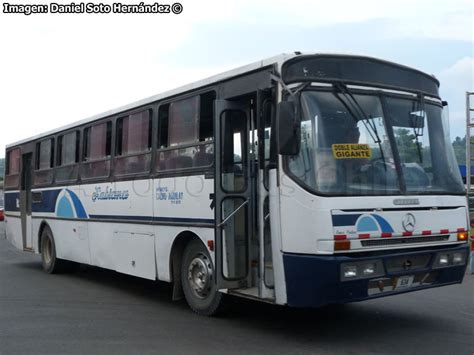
<point>289,131</point>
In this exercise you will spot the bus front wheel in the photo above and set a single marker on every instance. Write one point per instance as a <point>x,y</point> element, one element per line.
<point>51,264</point>
<point>198,282</point>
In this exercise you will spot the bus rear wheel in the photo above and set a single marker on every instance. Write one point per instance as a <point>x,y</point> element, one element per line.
<point>198,282</point>
<point>51,264</point>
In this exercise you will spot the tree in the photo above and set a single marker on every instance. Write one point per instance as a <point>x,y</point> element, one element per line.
<point>407,146</point>
<point>459,146</point>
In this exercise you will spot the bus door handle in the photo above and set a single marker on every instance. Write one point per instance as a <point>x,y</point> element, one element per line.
<point>224,222</point>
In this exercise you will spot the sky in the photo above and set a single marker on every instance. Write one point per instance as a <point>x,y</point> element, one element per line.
<point>59,68</point>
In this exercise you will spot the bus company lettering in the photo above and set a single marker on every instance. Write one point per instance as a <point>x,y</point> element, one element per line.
<point>163,194</point>
<point>351,151</point>
<point>109,194</point>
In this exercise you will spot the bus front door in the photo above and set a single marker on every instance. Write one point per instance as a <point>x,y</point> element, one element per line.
<point>25,201</point>
<point>233,189</point>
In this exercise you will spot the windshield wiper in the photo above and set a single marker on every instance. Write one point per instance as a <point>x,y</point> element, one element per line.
<point>357,111</point>
<point>359,114</point>
<point>417,120</point>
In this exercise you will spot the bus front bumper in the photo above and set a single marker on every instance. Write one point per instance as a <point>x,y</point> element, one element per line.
<point>317,280</point>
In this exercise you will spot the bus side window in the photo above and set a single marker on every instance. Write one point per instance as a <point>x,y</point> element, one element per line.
<point>67,156</point>
<point>44,162</point>
<point>185,133</point>
<point>97,147</point>
<point>133,147</point>
<point>12,168</point>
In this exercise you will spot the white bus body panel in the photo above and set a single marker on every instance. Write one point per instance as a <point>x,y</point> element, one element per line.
<point>70,238</point>
<point>277,246</point>
<point>13,229</point>
<point>314,232</point>
<point>184,199</point>
<point>123,225</point>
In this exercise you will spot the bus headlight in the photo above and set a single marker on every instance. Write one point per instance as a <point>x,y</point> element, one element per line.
<point>350,271</point>
<point>369,269</point>
<point>443,259</point>
<point>458,258</point>
<point>449,259</point>
<point>357,270</point>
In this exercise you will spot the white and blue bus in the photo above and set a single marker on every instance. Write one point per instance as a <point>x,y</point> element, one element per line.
<point>300,180</point>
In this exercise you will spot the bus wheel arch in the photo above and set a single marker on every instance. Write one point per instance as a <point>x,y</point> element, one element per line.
<point>176,258</point>
<point>47,247</point>
<point>43,225</point>
<point>198,283</point>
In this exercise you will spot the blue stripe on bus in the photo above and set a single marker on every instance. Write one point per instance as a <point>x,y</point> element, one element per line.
<point>48,205</point>
<point>339,220</point>
<point>80,211</point>
<point>153,219</point>
<point>10,201</point>
<point>48,201</point>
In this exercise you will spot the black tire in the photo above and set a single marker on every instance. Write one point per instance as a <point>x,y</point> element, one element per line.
<point>52,264</point>
<point>197,280</point>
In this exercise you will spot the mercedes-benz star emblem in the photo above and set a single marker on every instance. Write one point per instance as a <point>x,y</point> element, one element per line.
<point>408,222</point>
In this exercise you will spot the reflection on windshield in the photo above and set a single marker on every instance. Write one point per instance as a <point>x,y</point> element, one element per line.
<point>425,151</point>
<point>341,155</point>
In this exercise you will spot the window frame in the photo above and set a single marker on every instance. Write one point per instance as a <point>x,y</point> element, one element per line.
<point>77,154</point>
<point>7,161</point>
<point>107,158</point>
<point>89,126</point>
<point>150,130</point>
<point>38,154</point>
<point>12,181</point>
<point>152,109</point>
<point>157,135</point>
<point>37,172</point>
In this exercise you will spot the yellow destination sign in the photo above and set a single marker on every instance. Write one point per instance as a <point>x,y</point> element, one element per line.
<point>351,151</point>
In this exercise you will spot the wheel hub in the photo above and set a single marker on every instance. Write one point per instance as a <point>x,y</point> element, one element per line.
<point>200,275</point>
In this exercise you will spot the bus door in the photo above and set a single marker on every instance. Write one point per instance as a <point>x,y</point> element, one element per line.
<point>234,215</point>
<point>25,201</point>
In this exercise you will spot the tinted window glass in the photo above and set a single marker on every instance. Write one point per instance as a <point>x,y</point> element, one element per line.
<point>13,162</point>
<point>67,148</point>
<point>133,133</point>
<point>184,121</point>
<point>44,154</point>
<point>97,141</point>
<point>185,133</point>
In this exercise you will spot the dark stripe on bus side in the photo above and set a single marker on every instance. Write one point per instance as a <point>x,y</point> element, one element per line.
<point>344,219</point>
<point>168,221</point>
<point>154,219</point>
<point>47,203</point>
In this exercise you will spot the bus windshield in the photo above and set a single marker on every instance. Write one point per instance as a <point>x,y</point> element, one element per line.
<point>366,144</point>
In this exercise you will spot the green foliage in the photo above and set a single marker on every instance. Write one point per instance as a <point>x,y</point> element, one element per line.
<point>407,146</point>
<point>459,146</point>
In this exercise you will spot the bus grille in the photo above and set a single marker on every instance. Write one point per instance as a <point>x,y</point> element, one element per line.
<point>405,240</point>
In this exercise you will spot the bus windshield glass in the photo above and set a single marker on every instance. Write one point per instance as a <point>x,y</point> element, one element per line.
<point>366,144</point>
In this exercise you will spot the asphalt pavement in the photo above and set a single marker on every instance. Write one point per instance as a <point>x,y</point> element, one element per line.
<point>95,311</point>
